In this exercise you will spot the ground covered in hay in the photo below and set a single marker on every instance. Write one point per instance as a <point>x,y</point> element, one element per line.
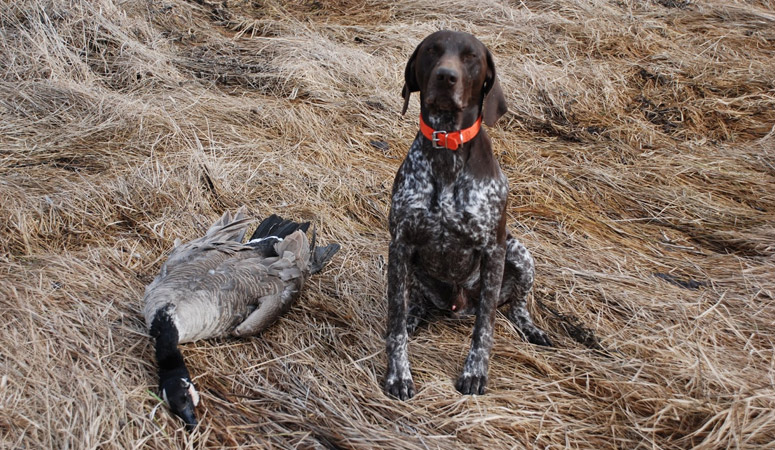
<point>639,146</point>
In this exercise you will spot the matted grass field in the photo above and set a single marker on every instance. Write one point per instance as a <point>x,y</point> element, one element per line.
<point>640,150</point>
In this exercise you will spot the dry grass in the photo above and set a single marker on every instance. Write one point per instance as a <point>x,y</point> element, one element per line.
<point>639,141</point>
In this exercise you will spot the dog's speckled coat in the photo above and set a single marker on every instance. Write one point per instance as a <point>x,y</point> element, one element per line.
<point>449,245</point>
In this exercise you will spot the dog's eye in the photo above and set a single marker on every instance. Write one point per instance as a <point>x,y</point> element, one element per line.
<point>469,57</point>
<point>434,49</point>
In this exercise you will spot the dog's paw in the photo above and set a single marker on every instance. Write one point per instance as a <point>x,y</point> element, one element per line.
<point>527,328</point>
<point>471,384</point>
<point>401,388</point>
<point>537,336</point>
<point>473,380</point>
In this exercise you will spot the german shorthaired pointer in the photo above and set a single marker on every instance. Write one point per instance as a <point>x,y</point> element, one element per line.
<point>449,246</point>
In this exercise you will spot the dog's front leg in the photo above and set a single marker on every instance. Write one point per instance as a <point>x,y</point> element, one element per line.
<point>473,380</point>
<point>398,380</point>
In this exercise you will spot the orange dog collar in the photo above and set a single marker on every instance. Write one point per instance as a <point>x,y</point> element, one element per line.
<point>450,139</point>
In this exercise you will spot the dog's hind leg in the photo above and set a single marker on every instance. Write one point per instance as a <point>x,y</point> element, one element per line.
<point>518,275</point>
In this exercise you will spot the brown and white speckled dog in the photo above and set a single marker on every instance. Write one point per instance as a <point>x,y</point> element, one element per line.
<point>449,246</point>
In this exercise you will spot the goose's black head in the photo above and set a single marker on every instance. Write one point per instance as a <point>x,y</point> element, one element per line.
<point>181,397</point>
<point>174,381</point>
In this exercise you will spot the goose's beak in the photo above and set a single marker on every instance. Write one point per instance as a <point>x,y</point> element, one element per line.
<point>187,414</point>
<point>182,399</point>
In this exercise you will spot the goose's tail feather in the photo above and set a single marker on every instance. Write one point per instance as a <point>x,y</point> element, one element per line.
<point>320,255</point>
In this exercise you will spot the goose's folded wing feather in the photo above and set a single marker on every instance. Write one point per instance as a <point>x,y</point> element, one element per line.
<point>225,235</point>
<point>194,258</point>
<point>229,227</point>
<point>199,248</point>
<point>289,269</point>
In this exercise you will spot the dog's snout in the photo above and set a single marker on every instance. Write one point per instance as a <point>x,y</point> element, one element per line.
<point>447,75</point>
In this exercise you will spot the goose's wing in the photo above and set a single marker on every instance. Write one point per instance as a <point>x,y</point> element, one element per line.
<point>225,236</point>
<point>194,259</point>
<point>287,271</point>
<point>229,227</point>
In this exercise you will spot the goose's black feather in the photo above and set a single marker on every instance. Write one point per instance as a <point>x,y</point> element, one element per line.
<point>275,226</point>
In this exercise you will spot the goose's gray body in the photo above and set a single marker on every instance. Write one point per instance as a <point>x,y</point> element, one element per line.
<point>218,286</point>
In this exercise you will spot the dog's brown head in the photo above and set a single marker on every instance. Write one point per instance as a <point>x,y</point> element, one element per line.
<point>455,75</point>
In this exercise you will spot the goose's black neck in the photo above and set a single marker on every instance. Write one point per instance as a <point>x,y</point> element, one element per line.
<point>168,356</point>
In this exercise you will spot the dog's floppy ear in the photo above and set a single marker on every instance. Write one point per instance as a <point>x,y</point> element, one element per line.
<point>410,80</point>
<point>494,102</point>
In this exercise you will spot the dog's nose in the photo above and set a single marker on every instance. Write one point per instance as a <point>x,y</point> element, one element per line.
<point>447,75</point>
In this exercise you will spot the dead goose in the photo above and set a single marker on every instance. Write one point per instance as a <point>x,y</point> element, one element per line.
<point>218,286</point>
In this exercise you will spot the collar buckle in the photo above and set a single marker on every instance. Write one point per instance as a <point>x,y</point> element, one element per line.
<point>436,138</point>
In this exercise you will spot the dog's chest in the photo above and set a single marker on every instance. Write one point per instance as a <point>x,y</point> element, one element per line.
<point>448,215</point>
